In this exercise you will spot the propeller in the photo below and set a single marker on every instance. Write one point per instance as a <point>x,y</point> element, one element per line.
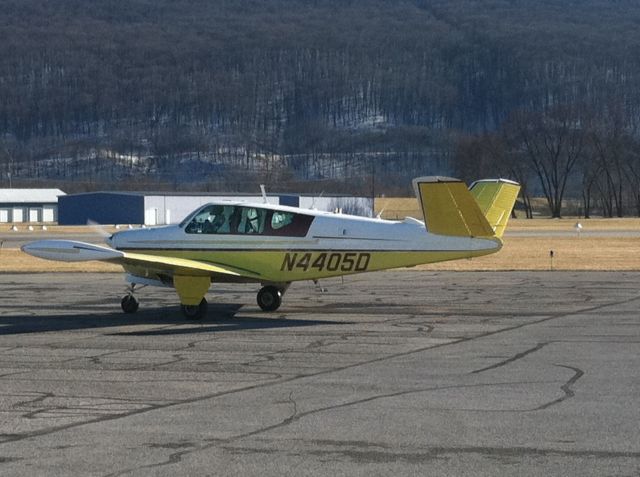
<point>100,230</point>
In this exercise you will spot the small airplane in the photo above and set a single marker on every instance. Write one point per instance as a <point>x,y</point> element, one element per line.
<point>274,245</point>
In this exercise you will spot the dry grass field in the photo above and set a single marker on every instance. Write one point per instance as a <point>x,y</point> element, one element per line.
<point>569,253</point>
<point>612,251</point>
<point>13,260</point>
<point>611,226</point>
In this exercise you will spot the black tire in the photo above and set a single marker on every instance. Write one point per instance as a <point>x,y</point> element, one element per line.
<point>269,298</point>
<point>129,304</point>
<point>194,312</point>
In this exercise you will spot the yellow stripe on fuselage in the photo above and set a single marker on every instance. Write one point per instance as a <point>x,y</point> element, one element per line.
<point>288,266</point>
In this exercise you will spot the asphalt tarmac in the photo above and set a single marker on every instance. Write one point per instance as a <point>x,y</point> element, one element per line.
<point>398,373</point>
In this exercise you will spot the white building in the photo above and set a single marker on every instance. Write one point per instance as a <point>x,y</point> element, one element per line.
<point>29,205</point>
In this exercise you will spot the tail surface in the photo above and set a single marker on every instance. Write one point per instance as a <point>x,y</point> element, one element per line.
<point>450,208</point>
<point>496,198</point>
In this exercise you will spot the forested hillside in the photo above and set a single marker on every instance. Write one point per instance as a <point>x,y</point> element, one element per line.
<point>309,93</point>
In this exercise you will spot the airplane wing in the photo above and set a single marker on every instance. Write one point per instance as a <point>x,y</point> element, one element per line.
<point>73,251</point>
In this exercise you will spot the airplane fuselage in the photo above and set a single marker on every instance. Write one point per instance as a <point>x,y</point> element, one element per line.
<point>321,245</point>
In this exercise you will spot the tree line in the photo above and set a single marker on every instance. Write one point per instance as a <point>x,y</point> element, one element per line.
<point>562,153</point>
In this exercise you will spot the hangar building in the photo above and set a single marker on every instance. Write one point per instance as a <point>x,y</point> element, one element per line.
<point>29,205</point>
<point>170,208</point>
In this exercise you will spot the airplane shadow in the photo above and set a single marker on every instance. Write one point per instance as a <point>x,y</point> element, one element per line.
<point>220,318</point>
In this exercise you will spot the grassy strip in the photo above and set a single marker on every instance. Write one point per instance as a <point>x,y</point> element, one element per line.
<point>569,253</point>
<point>13,260</point>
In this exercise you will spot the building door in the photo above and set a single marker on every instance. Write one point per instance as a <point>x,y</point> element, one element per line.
<point>17,215</point>
<point>151,216</point>
<point>34,215</point>
<point>48,214</point>
<point>4,215</point>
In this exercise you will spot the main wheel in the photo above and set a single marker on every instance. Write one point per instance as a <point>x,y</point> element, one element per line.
<point>129,304</point>
<point>194,312</point>
<point>269,298</point>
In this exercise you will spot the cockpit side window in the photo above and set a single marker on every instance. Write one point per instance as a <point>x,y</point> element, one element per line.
<point>207,221</point>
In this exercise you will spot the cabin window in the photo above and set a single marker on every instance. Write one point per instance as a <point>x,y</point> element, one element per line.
<point>245,220</point>
<point>281,219</point>
<point>288,224</point>
<point>251,220</point>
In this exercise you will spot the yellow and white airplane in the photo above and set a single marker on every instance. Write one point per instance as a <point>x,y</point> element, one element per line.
<point>275,245</point>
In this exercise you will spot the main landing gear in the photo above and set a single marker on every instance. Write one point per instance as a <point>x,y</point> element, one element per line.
<point>195,312</point>
<point>270,297</point>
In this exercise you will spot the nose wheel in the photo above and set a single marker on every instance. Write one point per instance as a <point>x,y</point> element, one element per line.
<point>129,304</point>
<point>269,298</point>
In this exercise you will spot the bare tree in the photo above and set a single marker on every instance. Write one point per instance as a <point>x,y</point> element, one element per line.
<point>487,155</point>
<point>608,139</point>
<point>589,173</point>
<point>632,171</point>
<point>552,142</point>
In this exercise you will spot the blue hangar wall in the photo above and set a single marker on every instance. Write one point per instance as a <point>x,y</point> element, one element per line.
<point>101,207</point>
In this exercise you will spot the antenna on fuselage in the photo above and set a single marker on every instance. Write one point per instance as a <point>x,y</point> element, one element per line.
<point>264,193</point>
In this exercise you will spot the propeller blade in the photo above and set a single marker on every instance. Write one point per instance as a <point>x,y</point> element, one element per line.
<point>101,231</point>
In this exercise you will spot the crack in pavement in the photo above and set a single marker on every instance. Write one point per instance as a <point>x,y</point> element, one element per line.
<point>426,454</point>
<point>515,357</point>
<point>41,397</point>
<point>566,388</point>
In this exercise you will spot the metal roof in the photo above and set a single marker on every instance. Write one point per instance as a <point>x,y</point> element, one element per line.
<point>30,196</point>
<point>164,193</point>
<point>207,194</point>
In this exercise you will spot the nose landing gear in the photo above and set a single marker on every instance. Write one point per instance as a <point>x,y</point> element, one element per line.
<point>129,302</point>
